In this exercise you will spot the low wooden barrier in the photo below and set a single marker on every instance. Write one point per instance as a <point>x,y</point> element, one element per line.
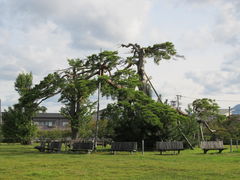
<point>82,146</point>
<point>124,146</point>
<point>212,145</point>
<point>169,146</point>
<point>54,146</point>
<point>49,146</point>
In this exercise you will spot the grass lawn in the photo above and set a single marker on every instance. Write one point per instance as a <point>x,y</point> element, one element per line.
<point>24,162</point>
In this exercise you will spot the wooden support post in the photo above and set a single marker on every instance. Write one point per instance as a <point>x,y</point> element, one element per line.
<point>230,145</point>
<point>199,140</point>
<point>201,131</point>
<point>142,147</point>
<point>190,145</point>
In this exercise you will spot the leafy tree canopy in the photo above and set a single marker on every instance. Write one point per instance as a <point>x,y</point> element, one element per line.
<point>206,109</point>
<point>136,117</point>
<point>18,125</point>
<point>23,83</point>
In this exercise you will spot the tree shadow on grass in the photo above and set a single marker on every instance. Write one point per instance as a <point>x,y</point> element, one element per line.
<point>167,154</point>
<point>209,153</point>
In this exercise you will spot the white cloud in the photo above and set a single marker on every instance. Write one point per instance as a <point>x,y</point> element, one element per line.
<point>225,80</point>
<point>216,46</point>
<point>92,24</point>
<point>197,40</point>
<point>39,36</point>
<point>228,24</point>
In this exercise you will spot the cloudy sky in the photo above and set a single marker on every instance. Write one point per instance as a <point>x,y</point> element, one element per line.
<point>39,35</point>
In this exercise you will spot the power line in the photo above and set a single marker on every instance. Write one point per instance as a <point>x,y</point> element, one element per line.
<point>225,100</point>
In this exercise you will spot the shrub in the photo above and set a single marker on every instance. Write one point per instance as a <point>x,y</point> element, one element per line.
<point>53,134</point>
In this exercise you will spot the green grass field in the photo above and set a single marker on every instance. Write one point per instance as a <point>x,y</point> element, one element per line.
<point>24,162</point>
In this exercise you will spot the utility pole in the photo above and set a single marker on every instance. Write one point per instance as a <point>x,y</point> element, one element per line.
<point>98,109</point>
<point>229,111</point>
<point>178,101</point>
<point>98,115</point>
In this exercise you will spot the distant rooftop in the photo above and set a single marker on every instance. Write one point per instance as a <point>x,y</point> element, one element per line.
<point>224,111</point>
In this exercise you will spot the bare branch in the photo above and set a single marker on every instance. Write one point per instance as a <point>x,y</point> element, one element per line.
<point>114,84</point>
<point>135,47</point>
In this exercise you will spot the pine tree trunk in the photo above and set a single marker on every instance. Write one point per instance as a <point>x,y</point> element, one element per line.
<point>141,73</point>
<point>74,124</point>
<point>75,133</point>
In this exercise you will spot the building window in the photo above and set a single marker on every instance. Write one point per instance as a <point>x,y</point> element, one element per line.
<point>50,123</point>
<point>65,123</point>
<point>41,123</point>
<point>44,123</point>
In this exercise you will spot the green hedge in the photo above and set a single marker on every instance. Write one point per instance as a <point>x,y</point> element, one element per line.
<point>53,134</point>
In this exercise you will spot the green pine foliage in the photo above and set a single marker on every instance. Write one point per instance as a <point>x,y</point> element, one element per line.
<point>17,120</point>
<point>136,117</point>
<point>190,126</point>
<point>140,55</point>
<point>75,89</point>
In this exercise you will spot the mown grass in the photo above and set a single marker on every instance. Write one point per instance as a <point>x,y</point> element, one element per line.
<point>24,162</point>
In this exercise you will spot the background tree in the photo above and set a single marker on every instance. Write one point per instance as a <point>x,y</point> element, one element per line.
<point>207,114</point>
<point>190,126</point>
<point>231,127</point>
<point>158,52</point>
<point>10,125</point>
<point>18,125</point>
